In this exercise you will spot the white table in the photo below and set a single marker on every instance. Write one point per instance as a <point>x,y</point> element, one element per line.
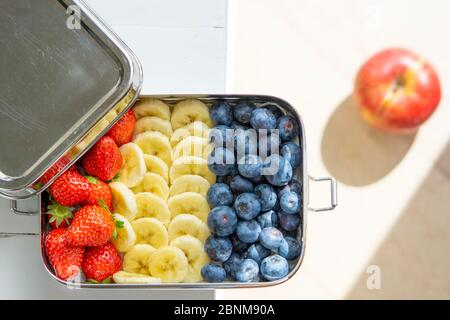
<point>182,47</point>
<point>394,192</point>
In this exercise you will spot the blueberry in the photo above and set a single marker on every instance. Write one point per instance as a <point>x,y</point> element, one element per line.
<point>291,152</point>
<point>290,202</point>
<point>222,136</point>
<point>218,248</point>
<point>292,234</point>
<point>268,143</point>
<point>257,252</point>
<point>290,248</point>
<point>276,207</point>
<point>213,273</point>
<point>225,179</point>
<point>243,111</point>
<point>268,219</point>
<point>263,118</point>
<point>248,231</point>
<point>258,179</point>
<point>288,222</point>
<point>234,171</point>
<point>270,238</point>
<point>277,170</point>
<point>250,166</point>
<point>239,184</point>
<point>274,267</point>
<point>232,264</point>
<point>245,142</point>
<point>247,271</point>
<point>219,194</point>
<point>288,127</point>
<point>275,109</point>
<point>266,196</point>
<point>222,221</point>
<point>221,113</point>
<point>238,245</point>
<point>237,126</point>
<point>247,206</point>
<point>294,186</point>
<point>221,161</point>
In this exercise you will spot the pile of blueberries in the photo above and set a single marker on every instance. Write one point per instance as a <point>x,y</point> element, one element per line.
<point>256,212</point>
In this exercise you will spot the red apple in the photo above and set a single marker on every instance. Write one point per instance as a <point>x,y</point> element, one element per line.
<point>397,90</point>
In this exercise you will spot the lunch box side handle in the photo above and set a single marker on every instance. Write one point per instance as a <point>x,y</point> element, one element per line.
<point>333,193</point>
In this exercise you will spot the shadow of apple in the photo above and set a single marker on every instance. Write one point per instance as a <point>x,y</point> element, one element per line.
<point>357,154</point>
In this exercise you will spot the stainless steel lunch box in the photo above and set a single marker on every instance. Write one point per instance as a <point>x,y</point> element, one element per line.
<point>300,174</point>
<point>101,114</point>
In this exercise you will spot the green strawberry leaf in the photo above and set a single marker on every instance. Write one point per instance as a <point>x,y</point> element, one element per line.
<point>119,224</point>
<point>102,204</point>
<point>59,213</point>
<point>92,179</point>
<point>91,281</point>
<point>106,281</point>
<point>116,178</point>
<point>38,186</point>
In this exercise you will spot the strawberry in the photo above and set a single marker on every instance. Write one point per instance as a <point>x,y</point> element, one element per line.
<point>55,169</point>
<point>103,160</point>
<point>91,226</point>
<point>66,260</point>
<point>100,193</point>
<point>100,263</point>
<point>59,216</point>
<point>122,131</point>
<point>70,188</point>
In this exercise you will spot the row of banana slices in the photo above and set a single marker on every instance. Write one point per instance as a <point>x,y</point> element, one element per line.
<point>160,195</point>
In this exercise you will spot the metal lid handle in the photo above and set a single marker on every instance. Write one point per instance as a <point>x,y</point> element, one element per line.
<point>14,208</point>
<point>333,191</point>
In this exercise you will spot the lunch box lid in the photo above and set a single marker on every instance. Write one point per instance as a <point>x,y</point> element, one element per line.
<point>66,78</point>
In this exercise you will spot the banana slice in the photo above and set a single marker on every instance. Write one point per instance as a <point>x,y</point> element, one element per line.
<point>192,166</point>
<point>126,237</point>
<point>110,116</point>
<point>153,183</point>
<point>188,111</point>
<point>96,130</point>
<point>137,259</point>
<point>133,168</point>
<point>196,128</point>
<point>150,231</point>
<point>190,203</point>
<point>169,264</point>
<point>156,165</point>
<point>193,146</point>
<point>150,107</point>
<point>123,200</point>
<point>195,254</point>
<point>155,143</point>
<point>123,277</point>
<point>190,183</point>
<point>153,124</point>
<point>152,206</point>
<point>187,224</point>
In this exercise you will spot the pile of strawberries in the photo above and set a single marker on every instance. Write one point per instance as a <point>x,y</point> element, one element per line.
<point>80,210</point>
